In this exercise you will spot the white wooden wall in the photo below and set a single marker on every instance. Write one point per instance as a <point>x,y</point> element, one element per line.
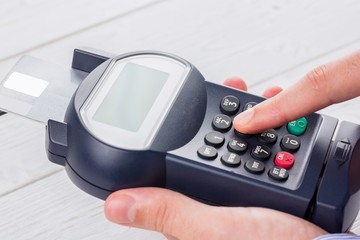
<point>267,42</point>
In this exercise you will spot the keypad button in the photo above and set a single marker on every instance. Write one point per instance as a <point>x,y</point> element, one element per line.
<point>215,139</point>
<point>297,127</point>
<point>261,152</point>
<point>207,152</point>
<point>231,159</point>
<point>237,145</point>
<point>290,143</point>
<point>284,160</point>
<point>249,105</point>
<point>230,105</point>
<point>279,174</point>
<point>268,156</point>
<point>222,123</point>
<point>269,136</point>
<point>255,166</point>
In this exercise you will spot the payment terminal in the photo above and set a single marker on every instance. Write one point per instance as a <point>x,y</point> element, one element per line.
<point>150,118</point>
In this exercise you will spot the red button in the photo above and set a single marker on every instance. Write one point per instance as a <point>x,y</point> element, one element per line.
<point>284,160</point>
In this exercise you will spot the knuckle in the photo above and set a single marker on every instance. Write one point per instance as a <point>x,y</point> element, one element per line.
<point>317,78</point>
<point>163,218</point>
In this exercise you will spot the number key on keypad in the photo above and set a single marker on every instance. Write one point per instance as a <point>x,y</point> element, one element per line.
<point>269,136</point>
<point>237,145</point>
<point>249,105</point>
<point>290,143</point>
<point>261,152</point>
<point>215,139</point>
<point>229,105</point>
<point>222,123</point>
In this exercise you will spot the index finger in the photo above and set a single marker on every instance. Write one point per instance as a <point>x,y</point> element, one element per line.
<point>325,85</point>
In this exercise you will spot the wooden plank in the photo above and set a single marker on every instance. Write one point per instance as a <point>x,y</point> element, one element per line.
<point>22,147</point>
<point>29,24</point>
<point>223,38</point>
<point>54,208</point>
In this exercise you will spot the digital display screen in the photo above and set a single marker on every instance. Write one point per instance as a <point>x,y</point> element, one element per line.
<point>131,97</point>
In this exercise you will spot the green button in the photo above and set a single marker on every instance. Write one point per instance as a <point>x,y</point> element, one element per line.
<point>297,127</point>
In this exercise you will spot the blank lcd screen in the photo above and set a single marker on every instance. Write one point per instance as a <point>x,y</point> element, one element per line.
<point>131,97</point>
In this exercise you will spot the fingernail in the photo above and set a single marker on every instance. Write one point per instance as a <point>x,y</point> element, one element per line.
<point>120,208</point>
<point>244,117</point>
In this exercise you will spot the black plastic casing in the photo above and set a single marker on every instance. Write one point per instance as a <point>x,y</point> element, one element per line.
<point>327,194</point>
<point>99,168</point>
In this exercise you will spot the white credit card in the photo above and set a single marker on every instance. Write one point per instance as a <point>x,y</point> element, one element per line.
<point>39,90</point>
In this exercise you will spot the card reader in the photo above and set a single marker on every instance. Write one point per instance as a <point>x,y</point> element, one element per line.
<point>149,118</point>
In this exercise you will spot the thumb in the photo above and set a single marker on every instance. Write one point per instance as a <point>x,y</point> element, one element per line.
<point>159,210</point>
<point>180,217</point>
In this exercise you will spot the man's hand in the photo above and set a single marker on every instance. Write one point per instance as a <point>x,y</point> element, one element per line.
<point>328,84</point>
<point>182,218</point>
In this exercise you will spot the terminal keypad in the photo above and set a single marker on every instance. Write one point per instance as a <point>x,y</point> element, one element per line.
<point>254,153</point>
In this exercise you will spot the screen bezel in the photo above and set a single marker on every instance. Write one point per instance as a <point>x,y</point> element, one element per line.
<point>142,139</point>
